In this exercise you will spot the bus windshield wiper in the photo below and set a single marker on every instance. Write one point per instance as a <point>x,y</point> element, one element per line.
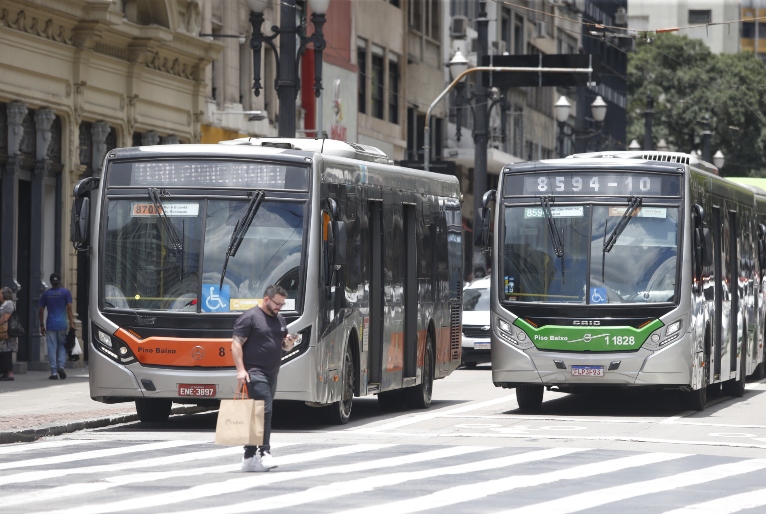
<point>633,203</point>
<point>175,241</point>
<point>240,229</point>
<point>558,246</point>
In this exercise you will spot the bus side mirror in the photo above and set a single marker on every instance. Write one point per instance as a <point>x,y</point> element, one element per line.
<point>481,228</point>
<point>339,242</point>
<point>78,230</point>
<point>707,247</point>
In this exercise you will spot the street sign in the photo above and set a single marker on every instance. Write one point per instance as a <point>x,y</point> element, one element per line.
<point>506,79</point>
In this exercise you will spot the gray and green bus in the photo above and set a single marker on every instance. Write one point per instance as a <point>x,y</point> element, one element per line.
<point>624,269</point>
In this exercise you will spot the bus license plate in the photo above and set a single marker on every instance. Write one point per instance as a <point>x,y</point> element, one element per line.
<point>196,389</point>
<point>588,371</point>
<point>481,346</point>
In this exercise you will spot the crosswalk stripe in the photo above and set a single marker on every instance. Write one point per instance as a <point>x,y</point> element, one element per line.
<point>27,447</point>
<point>37,475</point>
<point>77,489</point>
<point>599,497</point>
<point>337,489</point>
<point>94,454</point>
<point>471,492</point>
<point>726,505</point>
<point>409,419</point>
<point>262,479</point>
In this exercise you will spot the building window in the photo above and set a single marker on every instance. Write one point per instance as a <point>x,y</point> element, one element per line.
<point>416,15</point>
<point>361,62</point>
<point>700,16</point>
<point>377,99</point>
<point>518,35</point>
<point>432,29</point>
<point>393,88</point>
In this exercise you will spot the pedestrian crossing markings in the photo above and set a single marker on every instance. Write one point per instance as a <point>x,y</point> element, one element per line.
<point>338,476</point>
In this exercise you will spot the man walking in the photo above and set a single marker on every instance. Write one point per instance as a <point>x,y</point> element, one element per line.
<point>58,301</point>
<point>260,335</point>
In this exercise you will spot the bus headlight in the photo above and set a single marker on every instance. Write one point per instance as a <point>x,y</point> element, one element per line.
<point>673,328</point>
<point>300,345</point>
<point>112,347</point>
<point>518,339</point>
<point>672,333</point>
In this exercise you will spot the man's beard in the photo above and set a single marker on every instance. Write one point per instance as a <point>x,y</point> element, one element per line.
<point>271,310</point>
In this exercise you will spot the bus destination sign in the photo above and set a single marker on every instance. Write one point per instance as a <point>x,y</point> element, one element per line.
<point>592,184</point>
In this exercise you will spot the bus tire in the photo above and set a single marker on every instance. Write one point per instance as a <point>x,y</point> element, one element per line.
<point>736,387</point>
<point>419,396</point>
<point>153,410</point>
<point>340,412</point>
<point>529,397</point>
<point>696,399</point>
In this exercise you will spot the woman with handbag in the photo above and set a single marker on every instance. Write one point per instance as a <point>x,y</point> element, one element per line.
<point>7,344</point>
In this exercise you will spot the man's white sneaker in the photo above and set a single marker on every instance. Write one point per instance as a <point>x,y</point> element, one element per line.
<point>253,464</point>
<point>267,461</point>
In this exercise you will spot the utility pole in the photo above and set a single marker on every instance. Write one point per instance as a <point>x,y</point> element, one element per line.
<point>481,127</point>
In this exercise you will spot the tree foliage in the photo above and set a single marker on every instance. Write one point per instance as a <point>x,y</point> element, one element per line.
<point>689,82</point>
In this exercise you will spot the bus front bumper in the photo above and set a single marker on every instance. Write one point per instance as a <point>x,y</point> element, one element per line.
<point>670,366</point>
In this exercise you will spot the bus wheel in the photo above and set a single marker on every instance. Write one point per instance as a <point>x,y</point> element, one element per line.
<point>736,387</point>
<point>340,411</point>
<point>758,373</point>
<point>153,410</point>
<point>696,399</point>
<point>419,396</point>
<point>529,397</point>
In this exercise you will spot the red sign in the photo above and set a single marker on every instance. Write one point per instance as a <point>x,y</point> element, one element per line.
<point>338,132</point>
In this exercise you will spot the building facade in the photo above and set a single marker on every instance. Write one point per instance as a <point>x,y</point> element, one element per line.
<point>78,78</point>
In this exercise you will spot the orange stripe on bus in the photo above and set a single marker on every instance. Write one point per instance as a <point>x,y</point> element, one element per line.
<point>181,352</point>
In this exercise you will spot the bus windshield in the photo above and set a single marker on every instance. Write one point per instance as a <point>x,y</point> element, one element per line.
<point>143,270</point>
<point>639,266</point>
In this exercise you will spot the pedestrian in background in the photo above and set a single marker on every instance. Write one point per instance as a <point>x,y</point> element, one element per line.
<point>260,335</point>
<point>10,345</point>
<point>58,301</point>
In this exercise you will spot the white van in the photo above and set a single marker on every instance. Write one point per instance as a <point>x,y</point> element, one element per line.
<point>476,329</point>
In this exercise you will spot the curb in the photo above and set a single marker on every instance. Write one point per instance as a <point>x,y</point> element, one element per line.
<point>27,435</point>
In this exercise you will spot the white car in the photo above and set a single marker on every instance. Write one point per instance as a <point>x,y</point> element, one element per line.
<point>476,329</point>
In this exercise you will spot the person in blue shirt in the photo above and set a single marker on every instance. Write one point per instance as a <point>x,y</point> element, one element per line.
<point>58,301</point>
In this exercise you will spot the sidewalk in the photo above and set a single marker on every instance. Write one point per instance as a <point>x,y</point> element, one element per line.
<point>32,406</point>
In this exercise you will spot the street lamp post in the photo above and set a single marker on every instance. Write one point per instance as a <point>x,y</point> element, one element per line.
<point>718,161</point>
<point>481,120</point>
<point>648,112</point>
<point>706,138</point>
<point>287,82</point>
<point>561,110</point>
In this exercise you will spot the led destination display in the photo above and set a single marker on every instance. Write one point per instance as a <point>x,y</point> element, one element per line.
<point>592,184</point>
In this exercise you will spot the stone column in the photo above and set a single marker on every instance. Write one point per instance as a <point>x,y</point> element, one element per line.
<point>43,120</point>
<point>99,131</point>
<point>9,201</point>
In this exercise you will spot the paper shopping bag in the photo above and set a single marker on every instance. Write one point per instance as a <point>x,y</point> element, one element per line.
<point>240,422</point>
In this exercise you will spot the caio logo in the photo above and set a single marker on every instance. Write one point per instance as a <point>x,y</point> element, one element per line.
<point>586,323</point>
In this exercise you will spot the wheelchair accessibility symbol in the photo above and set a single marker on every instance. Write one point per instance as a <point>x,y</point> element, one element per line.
<point>597,295</point>
<point>215,299</point>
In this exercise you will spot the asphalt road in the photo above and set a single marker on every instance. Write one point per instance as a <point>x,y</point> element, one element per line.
<point>472,451</point>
